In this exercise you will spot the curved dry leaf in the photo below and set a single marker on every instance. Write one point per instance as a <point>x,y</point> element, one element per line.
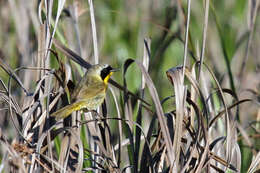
<point>12,75</point>
<point>159,113</point>
<point>175,75</point>
<point>224,111</point>
<point>77,141</point>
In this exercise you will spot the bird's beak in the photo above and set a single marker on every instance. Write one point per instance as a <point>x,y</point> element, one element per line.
<point>114,69</point>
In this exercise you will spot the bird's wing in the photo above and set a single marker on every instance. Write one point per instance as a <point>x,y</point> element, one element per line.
<point>90,92</point>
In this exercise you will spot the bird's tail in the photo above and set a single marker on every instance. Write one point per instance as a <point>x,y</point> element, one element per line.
<point>67,110</point>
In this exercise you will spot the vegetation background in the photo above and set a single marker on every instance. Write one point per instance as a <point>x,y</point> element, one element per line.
<point>207,122</point>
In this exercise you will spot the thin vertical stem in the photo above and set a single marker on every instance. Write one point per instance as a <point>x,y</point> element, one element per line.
<point>204,36</point>
<point>249,42</point>
<point>186,39</point>
<point>94,31</point>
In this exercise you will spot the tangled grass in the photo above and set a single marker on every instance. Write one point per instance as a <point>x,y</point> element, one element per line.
<point>199,125</point>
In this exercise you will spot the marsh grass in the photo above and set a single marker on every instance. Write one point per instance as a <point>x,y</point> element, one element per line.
<point>186,118</point>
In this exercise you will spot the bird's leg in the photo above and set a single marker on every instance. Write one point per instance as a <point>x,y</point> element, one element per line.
<point>85,110</point>
<point>94,112</point>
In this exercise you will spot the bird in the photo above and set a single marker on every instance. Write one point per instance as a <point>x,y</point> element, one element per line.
<point>90,92</point>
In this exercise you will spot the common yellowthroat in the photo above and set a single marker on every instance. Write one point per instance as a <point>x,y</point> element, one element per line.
<point>90,92</point>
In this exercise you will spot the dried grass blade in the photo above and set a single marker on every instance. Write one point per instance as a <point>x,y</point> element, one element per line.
<point>245,136</point>
<point>193,94</point>
<point>251,20</point>
<point>95,133</point>
<point>222,161</point>
<point>57,165</point>
<point>34,104</point>
<point>236,157</point>
<point>159,112</point>
<point>217,169</point>
<point>49,12</point>
<point>71,54</point>
<point>175,75</point>
<point>203,158</point>
<point>94,30</point>
<point>12,74</point>
<point>119,127</point>
<point>186,39</point>
<point>147,44</point>
<point>41,119</point>
<point>127,103</point>
<point>205,27</point>
<point>195,85</point>
<point>80,149</point>
<point>146,154</point>
<point>66,146</point>
<point>228,108</point>
<point>254,164</point>
<point>195,135</point>
<point>47,92</point>
<point>39,9</point>
<point>114,83</point>
<point>229,121</point>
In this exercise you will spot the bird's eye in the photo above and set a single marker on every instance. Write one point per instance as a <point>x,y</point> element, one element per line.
<point>105,72</point>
